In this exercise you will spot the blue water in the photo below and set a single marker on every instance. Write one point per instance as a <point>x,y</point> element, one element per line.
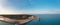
<point>45,19</point>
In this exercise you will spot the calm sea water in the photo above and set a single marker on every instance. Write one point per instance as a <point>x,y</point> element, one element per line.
<point>45,19</point>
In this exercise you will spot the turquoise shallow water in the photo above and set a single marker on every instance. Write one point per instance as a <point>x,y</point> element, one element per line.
<point>45,19</point>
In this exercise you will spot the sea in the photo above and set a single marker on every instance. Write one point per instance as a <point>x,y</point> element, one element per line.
<point>45,19</point>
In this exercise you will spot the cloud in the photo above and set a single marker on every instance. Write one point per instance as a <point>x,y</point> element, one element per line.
<point>4,9</point>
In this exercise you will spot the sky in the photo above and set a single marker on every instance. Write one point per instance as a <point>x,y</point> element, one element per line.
<point>29,6</point>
